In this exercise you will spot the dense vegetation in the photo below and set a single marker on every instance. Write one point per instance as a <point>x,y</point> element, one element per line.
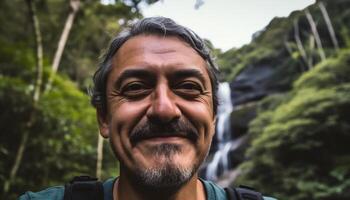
<point>300,138</point>
<point>300,147</point>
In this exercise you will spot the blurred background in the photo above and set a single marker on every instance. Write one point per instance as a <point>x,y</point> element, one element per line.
<point>284,118</point>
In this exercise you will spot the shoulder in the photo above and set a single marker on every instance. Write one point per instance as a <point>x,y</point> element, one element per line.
<point>108,188</point>
<point>215,192</point>
<point>52,193</point>
<point>57,192</point>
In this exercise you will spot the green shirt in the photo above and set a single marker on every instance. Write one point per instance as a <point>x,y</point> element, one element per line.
<point>213,192</point>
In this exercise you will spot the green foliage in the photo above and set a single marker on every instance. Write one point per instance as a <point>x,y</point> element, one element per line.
<point>61,140</point>
<point>300,146</point>
<point>334,71</point>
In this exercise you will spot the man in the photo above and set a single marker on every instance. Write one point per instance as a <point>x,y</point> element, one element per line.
<point>155,96</point>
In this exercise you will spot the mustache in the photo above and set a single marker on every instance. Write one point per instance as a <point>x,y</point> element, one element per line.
<point>178,128</point>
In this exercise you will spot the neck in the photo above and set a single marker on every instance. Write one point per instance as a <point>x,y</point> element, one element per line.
<point>124,189</point>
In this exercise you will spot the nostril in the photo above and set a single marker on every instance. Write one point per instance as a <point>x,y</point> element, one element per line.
<point>163,117</point>
<point>155,119</point>
<point>163,114</point>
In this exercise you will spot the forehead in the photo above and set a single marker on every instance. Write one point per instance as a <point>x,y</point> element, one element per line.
<point>162,54</point>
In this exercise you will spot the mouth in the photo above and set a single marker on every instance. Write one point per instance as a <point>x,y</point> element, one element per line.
<point>166,139</point>
<point>161,138</point>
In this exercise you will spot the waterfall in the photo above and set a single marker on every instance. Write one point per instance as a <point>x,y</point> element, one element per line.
<point>220,162</point>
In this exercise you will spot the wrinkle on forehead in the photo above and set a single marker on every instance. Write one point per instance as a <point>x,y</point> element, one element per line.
<point>163,51</point>
<point>154,44</point>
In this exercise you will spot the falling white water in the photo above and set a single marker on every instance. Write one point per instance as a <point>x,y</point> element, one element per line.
<point>223,133</point>
<point>224,110</point>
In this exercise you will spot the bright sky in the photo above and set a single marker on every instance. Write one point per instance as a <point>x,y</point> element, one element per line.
<point>226,23</point>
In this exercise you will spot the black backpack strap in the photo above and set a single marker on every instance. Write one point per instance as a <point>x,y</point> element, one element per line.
<point>83,188</point>
<point>243,193</point>
<point>231,193</point>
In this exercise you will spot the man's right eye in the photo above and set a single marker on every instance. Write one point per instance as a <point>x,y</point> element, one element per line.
<point>135,89</point>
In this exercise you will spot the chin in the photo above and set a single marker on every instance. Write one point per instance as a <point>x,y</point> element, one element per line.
<point>165,175</point>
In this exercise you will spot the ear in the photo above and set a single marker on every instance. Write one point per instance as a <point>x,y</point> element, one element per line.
<point>103,123</point>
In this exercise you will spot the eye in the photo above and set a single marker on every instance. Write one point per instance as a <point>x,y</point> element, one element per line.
<point>188,89</point>
<point>135,89</point>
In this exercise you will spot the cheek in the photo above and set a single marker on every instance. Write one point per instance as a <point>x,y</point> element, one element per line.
<point>126,114</point>
<point>125,117</point>
<point>201,116</point>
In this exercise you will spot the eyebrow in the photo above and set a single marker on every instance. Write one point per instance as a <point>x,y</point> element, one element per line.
<point>144,73</point>
<point>133,73</point>
<point>186,73</point>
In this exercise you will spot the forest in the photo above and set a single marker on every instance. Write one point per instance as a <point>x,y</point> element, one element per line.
<point>299,135</point>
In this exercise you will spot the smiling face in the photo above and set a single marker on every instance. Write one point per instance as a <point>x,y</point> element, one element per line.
<point>160,118</point>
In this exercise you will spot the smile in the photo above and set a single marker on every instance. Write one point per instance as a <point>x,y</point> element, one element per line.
<point>166,139</point>
<point>161,138</point>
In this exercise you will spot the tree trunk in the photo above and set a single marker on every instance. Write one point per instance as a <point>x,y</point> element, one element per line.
<point>329,25</point>
<point>300,45</point>
<point>17,162</point>
<point>74,4</point>
<point>290,51</point>
<point>99,157</point>
<point>36,96</point>
<point>311,48</point>
<point>315,33</point>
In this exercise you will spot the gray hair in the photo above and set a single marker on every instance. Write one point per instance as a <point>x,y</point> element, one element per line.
<point>151,26</point>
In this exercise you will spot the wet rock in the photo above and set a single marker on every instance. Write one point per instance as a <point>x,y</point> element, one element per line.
<point>253,84</point>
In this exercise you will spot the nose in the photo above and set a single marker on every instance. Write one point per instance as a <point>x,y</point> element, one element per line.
<point>163,107</point>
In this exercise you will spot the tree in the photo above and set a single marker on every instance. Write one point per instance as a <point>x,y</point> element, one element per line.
<point>74,4</point>
<point>36,95</point>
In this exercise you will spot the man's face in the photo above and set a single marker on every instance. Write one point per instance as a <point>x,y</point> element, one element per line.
<point>160,117</point>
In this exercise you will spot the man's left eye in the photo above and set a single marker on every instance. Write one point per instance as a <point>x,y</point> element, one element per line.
<point>188,89</point>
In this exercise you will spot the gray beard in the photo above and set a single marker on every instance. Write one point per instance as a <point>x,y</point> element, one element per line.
<point>167,175</point>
